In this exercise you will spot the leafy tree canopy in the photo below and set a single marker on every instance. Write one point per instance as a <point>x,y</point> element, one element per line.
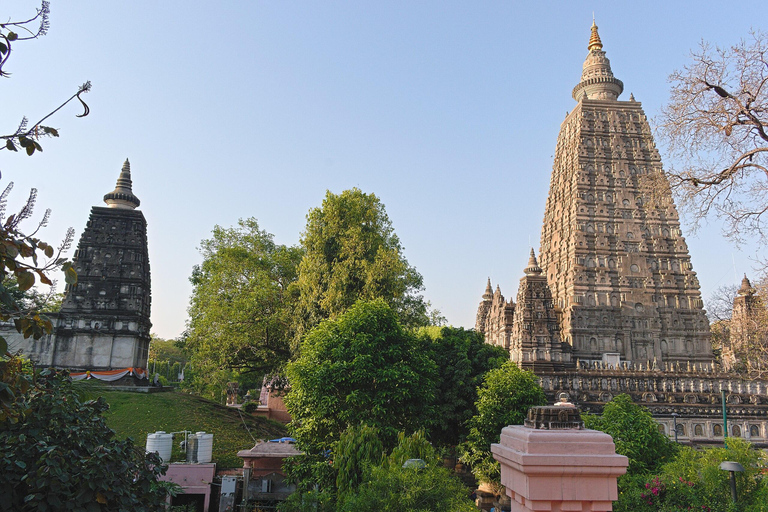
<point>166,350</point>
<point>240,310</point>
<point>57,454</point>
<point>362,367</point>
<point>503,399</point>
<point>392,487</point>
<point>463,359</point>
<point>353,253</point>
<point>635,434</point>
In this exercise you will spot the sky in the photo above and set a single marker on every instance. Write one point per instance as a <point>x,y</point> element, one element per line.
<point>447,111</point>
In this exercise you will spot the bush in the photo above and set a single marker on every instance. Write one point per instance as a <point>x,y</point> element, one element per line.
<point>57,454</point>
<point>250,407</point>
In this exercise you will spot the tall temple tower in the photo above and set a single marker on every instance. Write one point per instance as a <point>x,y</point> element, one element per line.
<point>104,321</point>
<point>614,263</point>
<point>611,245</point>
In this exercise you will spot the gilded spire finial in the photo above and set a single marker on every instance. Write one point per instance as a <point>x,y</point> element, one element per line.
<point>594,38</point>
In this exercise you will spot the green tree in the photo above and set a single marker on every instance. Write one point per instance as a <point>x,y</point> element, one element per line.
<point>57,454</point>
<point>362,367</point>
<point>358,448</point>
<point>463,359</point>
<point>166,350</point>
<point>352,253</point>
<point>240,310</point>
<point>395,488</point>
<point>503,399</point>
<point>635,434</point>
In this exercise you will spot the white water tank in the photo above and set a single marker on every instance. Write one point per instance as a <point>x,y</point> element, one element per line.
<point>161,443</point>
<point>204,447</point>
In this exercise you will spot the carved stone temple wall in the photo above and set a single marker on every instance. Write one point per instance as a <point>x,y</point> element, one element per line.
<point>613,305</point>
<point>104,320</point>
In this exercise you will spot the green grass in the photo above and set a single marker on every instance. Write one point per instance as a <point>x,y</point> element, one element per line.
<point>137,414</point>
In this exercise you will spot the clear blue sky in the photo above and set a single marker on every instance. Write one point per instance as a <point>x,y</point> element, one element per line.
<point>448,111</point>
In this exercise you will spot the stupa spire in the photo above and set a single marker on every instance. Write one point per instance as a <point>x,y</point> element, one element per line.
<point>597,80</point>
<point>533,267</point>
<point>746,287</point>
<point>122,197</point>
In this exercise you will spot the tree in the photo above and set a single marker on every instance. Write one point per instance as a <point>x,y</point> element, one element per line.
<point>352,253</point>
<point>503,399</point>
<point>57,454</point>
<point>741,339</point>
<point>240,310</point>
<point>717,123</point>
<point>362,367</point>
<point>392,487</point>
<point>166,350</point>
<point>635,434</point>
<point>463,359</point>
<point>358,448</point>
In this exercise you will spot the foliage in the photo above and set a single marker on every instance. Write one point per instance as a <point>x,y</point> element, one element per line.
<point>11,33</point>
<point>60,455</point>
<point>315,479</point>
<point>358,448</point>
<point>240,310</point>
<point>137,414</point>
<point>635,434</point>
<point>392,487</point>
<point>353,253</point>
<point>19,249</point>
<point>250,407</point>
<point>463,359</point>
<point>503,399</point>
<point>20,266</point>
<point>693,480</point>
<point>362,367</point>
<point>166,350</point>
<point>716,123</point>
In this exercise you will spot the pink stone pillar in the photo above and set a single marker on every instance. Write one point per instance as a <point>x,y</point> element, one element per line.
<point>559,470</point>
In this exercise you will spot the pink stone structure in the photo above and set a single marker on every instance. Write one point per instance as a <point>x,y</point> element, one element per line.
<point>195,479</point>
<point>571,470</point>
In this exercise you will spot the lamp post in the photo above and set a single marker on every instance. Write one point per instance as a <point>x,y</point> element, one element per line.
<point>732,467</point>
<point>674,419</point>
<point>725,418</point>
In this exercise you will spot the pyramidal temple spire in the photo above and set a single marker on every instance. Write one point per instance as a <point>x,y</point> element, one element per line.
<point>533,267</point>
<point>122,197</point>
<point>488,295</point>
<point>597,80</point>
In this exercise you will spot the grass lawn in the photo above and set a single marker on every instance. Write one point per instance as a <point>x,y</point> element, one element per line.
<point>137,414</point>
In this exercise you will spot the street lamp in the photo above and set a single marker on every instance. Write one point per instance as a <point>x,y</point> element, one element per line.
<point>732,467</point>
<point>674,419</point>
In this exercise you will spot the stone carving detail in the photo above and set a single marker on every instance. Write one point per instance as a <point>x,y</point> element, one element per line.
<point>559,417</point>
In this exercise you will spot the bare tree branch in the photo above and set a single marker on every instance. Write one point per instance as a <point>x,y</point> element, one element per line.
<point>715,127</point>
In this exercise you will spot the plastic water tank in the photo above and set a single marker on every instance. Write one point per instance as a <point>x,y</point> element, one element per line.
<point>204,447</point>
<point>161,443</point>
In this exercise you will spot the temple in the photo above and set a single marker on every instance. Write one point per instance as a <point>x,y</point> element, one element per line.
<point>103,325</point>
<point>612,305</point>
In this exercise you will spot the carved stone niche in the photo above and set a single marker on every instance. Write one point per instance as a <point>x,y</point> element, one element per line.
<point>558,417</point>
